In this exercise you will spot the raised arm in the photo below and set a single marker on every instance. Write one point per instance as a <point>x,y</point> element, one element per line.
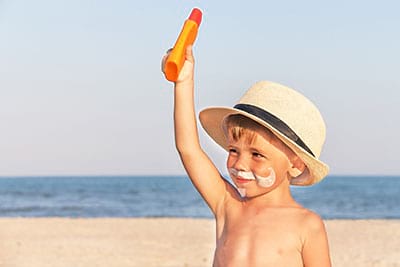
<point>202,172</point>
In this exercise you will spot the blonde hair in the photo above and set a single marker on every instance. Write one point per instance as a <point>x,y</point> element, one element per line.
<point>238,126</point>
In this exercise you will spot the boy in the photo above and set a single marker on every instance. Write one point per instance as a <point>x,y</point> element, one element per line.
<point>274,137</point>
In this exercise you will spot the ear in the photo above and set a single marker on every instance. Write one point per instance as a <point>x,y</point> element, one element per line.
<point>294,172</point>
<point>297,166</point>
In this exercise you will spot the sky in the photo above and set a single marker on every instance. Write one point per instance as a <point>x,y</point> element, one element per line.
<point>81,91</point>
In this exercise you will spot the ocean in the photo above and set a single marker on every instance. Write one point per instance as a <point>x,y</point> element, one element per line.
<point>336,197</point>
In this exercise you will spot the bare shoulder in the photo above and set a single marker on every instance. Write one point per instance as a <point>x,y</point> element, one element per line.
<point>311,218</point>
<point>312,222</point>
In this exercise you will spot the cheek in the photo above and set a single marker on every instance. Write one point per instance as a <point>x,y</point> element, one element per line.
<point>280,173</point>
<point>267,181</point>
<point>281,165</point>
<point>262,170</point>
<point>230,161</point>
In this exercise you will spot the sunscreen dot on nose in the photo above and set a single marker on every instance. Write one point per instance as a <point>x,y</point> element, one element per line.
<point>267,181</point>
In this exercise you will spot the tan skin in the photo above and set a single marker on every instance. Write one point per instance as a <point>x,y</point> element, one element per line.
<point>267,227</point>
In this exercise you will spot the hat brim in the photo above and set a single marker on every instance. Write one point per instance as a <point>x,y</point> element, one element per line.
<point>212,121</point>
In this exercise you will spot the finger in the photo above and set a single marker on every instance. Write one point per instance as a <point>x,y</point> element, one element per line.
<point>189,53</point>
<point>164,59</point>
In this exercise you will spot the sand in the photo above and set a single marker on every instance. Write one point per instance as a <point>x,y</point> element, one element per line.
<point>64,242</point>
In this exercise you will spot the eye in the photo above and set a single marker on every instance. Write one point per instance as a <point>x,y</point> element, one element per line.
<point>257,155</point>
<point>232,151</point>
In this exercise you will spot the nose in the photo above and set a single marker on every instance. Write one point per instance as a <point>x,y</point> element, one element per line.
<point>241,164</point>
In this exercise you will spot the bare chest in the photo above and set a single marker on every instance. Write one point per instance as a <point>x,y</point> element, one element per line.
<point>263,239</point>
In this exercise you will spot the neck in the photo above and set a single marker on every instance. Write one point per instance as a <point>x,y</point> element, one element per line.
<point>278,197</point>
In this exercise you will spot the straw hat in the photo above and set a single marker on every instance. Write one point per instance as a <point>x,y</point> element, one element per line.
<point>288,114</point>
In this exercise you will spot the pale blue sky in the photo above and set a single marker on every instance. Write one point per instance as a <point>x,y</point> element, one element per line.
<point>82,92</point>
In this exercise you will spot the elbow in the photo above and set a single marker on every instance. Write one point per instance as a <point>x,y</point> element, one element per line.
<point>187,149</point>
<point>181,148</point>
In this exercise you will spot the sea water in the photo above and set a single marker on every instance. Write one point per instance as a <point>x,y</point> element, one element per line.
<point>336,197</point>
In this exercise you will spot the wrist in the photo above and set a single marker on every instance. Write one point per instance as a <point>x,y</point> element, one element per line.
<point>184,83</point>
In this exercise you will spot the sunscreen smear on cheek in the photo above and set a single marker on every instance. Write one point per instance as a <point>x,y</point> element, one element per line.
<point>267,181</point>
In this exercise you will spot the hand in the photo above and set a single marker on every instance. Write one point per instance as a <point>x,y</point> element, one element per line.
<point>186,73</point>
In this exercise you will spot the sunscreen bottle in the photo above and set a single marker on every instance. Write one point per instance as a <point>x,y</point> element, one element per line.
<point>188,34</point>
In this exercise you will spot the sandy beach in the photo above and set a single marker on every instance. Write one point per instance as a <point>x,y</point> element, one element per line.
<point>63,242</point>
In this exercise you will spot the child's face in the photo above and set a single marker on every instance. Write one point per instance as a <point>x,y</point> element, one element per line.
<point>259,154</point>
